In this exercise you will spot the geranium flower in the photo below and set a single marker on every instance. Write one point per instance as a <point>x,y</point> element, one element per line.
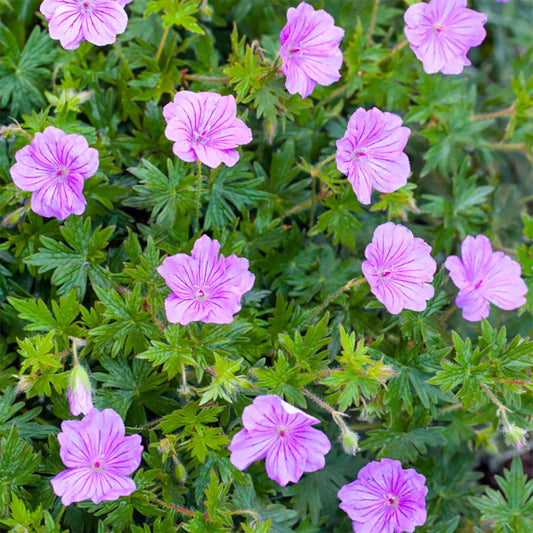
<point>310,49</point>
<point>281,433</point>
<point>399,268</point>
<point>205,126</point>
<point>95,21</point>
<point>485,276</point>
<point>54,167</point>
<point>99,459</point>
<point>205,287</point>
<point>385,498</point>
<point>442,32</point>
<point>79,392</point>
<point>371,153</point>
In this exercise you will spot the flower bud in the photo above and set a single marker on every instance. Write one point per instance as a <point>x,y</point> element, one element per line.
<point>350,442</point>
<point>515,436</point>
<point>179,471</point>
<point>79,392</point>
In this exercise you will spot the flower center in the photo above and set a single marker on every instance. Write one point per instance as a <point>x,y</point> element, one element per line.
<point>391,500</point>
<point>438,28</point>
<point>385,273</point>
<point>282,432</point>
<point>359,153</point>
<point>97,465</point>
<point>61,174</point>
<point>296,51</point>
<point>477,285</point>
<point>85,5</point>
<point>200,294</point>
<point>201,138</point>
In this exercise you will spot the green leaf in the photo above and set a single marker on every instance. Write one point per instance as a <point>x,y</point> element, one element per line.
<point>25,73</point>
<point>41,318</point>
<point>168,196</point>
<point>18,466</point>
<point>73,264</point>
<point>510,509</point>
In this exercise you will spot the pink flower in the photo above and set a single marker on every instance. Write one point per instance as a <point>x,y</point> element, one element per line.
<point>281,433</point>
<point>205,126</point>
<point>54,167</point>
<point>99,458</point>
<point>205,287</point>
<point>442,32</point>
<point>310,49</point>
<point>371,153</point>
<point>96,21</point>
<point>399,268</point>
<point>79,392</point>
<point>484,276</point>
<point>385,498</point>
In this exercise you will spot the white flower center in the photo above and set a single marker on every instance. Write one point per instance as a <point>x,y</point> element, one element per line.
<point>296,50</point>
<point>359,153</point>
<point>85,5</point>
<point>61,174</point>
<point>200,294</point>
<point>385,273</point>
<point>282,432</point>
<point>391,500</point>
<point>438,28</point>
<point>97,465</point>
<point>201,138</point>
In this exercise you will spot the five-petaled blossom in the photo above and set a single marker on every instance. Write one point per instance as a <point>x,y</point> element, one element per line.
<point>442,32</point>
<point>281,433</point>
<point>95,21</point>
<point>310,49</point>
<point>385,498</point>
<point>399,268</point>
<point>99,458</point>
<point>79,392</point>
<point>484,276</point>
<point>205,126</point>
<point>371,153</point>
<point>206,286</point>
<point>54,167</point>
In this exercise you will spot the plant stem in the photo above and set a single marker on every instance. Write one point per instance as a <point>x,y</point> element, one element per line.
<point>501,408</point>
<point>207,79</point>
<point>312,214</point>
<point>446,315</point>
<point>198,189</point>
<point>494,114</point>
<point>121,55</point>
<point>336,415</point>
<point>317,169</point>
<point>162,43</point>
<point>393,50</point>
<point>504,146</point>
<point>177,508</point>
<point>372,22</point>
<point>352,283</point>
<point>307,203</point>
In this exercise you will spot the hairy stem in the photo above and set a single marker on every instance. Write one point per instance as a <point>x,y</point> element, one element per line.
<point>198,189</point>
<point>352,283</point>
<point>162,44</point>
<point>121,55</point>
<point>336,415</point>
<point>372,22</point>
<point>494,114</point>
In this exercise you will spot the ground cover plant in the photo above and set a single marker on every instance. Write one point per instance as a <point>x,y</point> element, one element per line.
<point>266,266</point>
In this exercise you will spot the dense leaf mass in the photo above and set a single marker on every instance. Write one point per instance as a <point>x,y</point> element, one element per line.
<point>450,399</point>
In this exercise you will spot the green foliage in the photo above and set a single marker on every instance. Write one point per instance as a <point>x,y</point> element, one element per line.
<point>73,264</point>
<point>428,388</point>
<point>509,510</point>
